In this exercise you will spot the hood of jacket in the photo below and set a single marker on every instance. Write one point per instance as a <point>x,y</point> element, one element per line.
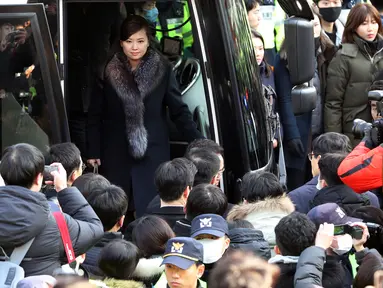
<point>342,195</point>
<point>115,283</point>
<point>148,268</point>
<point>264,215</point>
<point>24,214</point>
<point>250,240</point>
<point>281,205</point>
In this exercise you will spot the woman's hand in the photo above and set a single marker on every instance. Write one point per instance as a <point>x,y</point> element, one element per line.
<point>275,143</point>
<point>94,162</point>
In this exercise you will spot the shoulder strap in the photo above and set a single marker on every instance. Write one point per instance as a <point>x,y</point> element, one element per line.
<point>19,253</point>
<point>63,227</point>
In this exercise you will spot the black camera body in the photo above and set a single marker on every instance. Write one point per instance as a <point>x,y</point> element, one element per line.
<point>376,128</point>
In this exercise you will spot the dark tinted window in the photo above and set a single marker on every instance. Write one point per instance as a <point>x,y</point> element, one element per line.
<point>249,85</point>
<point>24,108</point>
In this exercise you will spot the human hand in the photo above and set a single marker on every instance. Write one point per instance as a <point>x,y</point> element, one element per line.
<point>94,162</point>
<point>275,143</point>
<point>59,177</point>
<point>325,235</point>
<point>359,243</point>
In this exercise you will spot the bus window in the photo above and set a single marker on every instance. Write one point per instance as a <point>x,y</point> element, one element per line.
<point>249,85</point>
<point>31,104</point>
<point>24,114</point>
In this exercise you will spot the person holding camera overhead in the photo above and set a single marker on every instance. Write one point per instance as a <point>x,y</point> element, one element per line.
<point>353,70</point>
<point>362,169</point>
<point>127,128</point>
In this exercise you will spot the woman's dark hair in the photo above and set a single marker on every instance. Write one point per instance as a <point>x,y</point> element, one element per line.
<point>251,4</point>
<point>256,34</point>
<point>258,186</point>
<point>118,259</point>
<point>151,234</point>
<point>131,25</point>
<point>90,182</point>
<point>357,16</point>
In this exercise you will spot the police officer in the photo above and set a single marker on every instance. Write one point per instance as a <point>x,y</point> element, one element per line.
<point>183,264</point>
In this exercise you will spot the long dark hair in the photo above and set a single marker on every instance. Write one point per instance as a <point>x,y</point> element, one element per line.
<point>357,16</point>
<point>131,25</point>
<point>268,68</point>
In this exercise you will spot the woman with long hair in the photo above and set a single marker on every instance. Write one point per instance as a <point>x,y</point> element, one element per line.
<point>353,70</point>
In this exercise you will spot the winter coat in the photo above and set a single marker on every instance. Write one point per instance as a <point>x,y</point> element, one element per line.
<point>310,268</point>
<point>115,283</point>
<point>182,228</point>
<point>350,75</point>
<point>294,127</point>
<point>91,260</point>
<point>264,215</point>
<point>127,126</point>
<point>339,33</point>
<point>26,214</point>
<point>325,54</point>
<point>287,266</point>
<point>249,240</point>
<point>149,270</point>
<point>342,195</point>
<point>304,195</point>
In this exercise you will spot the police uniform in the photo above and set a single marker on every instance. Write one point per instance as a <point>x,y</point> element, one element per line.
<point>175,16</point>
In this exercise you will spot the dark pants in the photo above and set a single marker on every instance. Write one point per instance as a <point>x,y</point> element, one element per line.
<point>295,178</point>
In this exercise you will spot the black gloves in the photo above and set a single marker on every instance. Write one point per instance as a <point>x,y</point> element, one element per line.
<point>295,146</point>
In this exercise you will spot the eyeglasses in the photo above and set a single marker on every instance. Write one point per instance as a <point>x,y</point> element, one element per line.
<point>220,171</point>
<point>83,166</point>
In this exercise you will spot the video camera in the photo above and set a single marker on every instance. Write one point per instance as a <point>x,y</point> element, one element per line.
<point>360,126</point>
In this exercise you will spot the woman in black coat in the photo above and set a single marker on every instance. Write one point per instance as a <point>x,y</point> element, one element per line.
<point>127,129</point>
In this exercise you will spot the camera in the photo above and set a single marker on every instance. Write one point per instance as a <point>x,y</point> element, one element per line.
<point>355,231</point>
<point>376,128</point>
<point>47,176</point>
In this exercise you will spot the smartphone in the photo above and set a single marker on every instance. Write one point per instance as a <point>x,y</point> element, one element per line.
<point>355,231</point>
<point>47,172</point>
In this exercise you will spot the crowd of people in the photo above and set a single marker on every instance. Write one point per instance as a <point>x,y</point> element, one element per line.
<point>63,228</point>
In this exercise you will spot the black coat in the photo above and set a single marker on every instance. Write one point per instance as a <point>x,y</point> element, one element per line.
<point>342,195</point>
<point>127,126</point>
<point>31,218</point>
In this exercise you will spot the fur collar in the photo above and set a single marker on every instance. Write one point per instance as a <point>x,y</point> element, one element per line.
<point>115,283</point>
<point>280,204</point>
<point>132,87</point>
<point>148,268</point>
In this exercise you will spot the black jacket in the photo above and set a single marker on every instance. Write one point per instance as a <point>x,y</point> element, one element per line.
<point>127,127</point>
<point>182,228</point>
<point>91,260</point>
<point>342,195</point>
<point>249,240</point>
<point>26,214</point>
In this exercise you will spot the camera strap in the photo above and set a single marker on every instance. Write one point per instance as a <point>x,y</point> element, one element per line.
<point>63,227</point>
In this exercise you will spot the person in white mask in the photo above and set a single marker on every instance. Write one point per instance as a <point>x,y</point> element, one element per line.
<point>212,232</point>
<point>341,244</point>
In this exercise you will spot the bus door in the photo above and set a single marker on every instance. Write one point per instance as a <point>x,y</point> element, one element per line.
<point>31,101</point>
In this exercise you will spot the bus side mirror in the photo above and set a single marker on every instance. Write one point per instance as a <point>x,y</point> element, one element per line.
<point>299,41</point>
<point>304,99</point>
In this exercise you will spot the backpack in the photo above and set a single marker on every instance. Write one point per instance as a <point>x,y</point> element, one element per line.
<point>10,270</point>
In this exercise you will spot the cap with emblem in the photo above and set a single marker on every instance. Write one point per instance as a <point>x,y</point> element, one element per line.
<point>330,213</point>
<point>183,252</point>
<point>210,224</point>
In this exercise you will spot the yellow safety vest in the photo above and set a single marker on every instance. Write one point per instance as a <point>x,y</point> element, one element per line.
<point>273,18</point>
<point>185,32</point>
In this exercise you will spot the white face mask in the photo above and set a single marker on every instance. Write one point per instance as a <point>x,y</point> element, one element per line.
<point>319,184</point>
<point>344,244</point>
<point>212,249</point>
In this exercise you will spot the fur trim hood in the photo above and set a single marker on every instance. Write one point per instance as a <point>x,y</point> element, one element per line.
<point>281,204</point>
<point>132,87</point>
<point>114,283</point>
<point>148,268</point>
